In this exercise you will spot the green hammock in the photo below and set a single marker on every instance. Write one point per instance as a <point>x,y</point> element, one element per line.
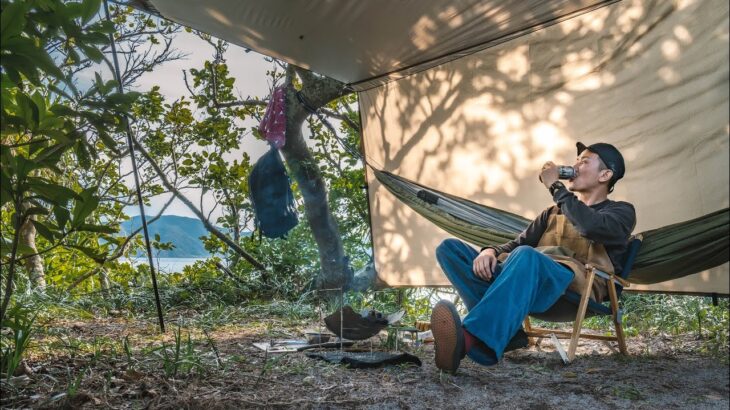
<point>666,253</point>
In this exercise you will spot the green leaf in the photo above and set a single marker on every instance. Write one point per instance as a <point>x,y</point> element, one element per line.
<point>50,156</point>
<point>82,154</point>
<point>39,102</point>
<point>45,231</point>
<point>12,20</point>
<point>57,134</point>
<point>94,37</point>
<point>73,9</point>
<point>36,145</point>
<point>24,167</point>
<point>96,228</point>
<point>14,76</point>
<point>84,206</point>
<point>89,10</point>
<point>123,98</point>
<point>16,64</point>
<point>103,26</point>
<point>6,193</point>
<point>108,141</point>
<point>24,249</point>
<point>28,110</point>
<point>38,56</point>
<point>63,93</point>
<point>64,110</point>
<point>53,193</point>
<point>91,253</point>
<point>36,210</point>
<point>5,247</point>
<point>63,215</point>
<point>92,52</point>
<point>109,86</point>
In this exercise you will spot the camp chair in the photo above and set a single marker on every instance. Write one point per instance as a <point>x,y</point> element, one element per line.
<point>576,307</point>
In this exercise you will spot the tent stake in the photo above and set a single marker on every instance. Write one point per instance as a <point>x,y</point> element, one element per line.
<point>118,76</point>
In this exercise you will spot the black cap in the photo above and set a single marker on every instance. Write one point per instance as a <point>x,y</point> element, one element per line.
<point>610,156</point>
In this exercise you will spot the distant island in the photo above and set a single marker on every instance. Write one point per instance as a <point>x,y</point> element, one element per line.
<point>183,232</point>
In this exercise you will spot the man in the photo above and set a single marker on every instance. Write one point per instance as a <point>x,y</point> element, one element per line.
<point>538,266</point>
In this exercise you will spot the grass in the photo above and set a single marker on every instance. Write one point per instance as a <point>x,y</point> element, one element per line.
<point>627,392</point>
<point>18,326</point>
<point>655,314</point>
<point>189,350</point>
<point>113,359</point>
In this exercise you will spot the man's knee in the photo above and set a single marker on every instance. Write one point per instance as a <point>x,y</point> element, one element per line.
<point>524,251</point>
<point>447,247</point>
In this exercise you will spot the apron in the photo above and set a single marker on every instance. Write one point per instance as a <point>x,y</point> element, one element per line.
<point>565,245</point>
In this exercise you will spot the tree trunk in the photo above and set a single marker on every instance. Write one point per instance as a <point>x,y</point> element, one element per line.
<point>34,264</point>
<point>104,282</point>
<point>316,91</point>
<point>305,171</point>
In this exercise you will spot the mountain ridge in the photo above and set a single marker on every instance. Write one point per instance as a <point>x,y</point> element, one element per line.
<point>183,232</point>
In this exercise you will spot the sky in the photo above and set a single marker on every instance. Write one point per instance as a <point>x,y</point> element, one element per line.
<point>249,70</point>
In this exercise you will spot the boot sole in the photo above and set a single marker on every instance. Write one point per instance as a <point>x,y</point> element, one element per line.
<point>448,336</point>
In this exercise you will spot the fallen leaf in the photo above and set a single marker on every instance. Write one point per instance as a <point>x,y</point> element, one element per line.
<point>132,375</point>
<point>23,369</point>
<point>149,393</point>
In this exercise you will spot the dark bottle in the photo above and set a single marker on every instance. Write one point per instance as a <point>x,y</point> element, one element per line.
<point>566,172</point>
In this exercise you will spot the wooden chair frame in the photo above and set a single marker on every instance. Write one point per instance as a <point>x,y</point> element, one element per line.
<point>576,334</point>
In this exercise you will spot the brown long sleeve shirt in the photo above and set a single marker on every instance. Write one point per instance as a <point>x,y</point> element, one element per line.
<point>609,223</point>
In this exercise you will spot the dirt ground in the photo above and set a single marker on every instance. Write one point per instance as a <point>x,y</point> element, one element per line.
<point>115,363</point>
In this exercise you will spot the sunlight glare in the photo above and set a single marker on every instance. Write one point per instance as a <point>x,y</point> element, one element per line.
<point>627,19</point>
<point>452,16</point>
<point>683,4</point>
<point>219,17</point>
<point>597,19</point>
<point>670,50</point>
<point>422,33</point>
<point>557,115</point>
<point>669,75</point>
<point>547,141</point>
<point>515,63</point>
<point>564,97</point>
<point>683,34</point>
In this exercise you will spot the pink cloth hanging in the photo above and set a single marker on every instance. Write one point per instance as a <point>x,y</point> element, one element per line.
<point>273,125</point>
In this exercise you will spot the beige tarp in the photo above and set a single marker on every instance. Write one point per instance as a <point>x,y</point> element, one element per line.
<point>367,41</point>
<point>649,77</point>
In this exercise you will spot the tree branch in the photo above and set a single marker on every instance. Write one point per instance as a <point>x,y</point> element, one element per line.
<point>341,117</point>
<point>212,229</point>
<point>247,103</point>
<point>319,90</point>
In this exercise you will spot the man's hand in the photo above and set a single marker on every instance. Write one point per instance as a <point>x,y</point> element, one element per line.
<point>485,263</point>
<point>549,174</point>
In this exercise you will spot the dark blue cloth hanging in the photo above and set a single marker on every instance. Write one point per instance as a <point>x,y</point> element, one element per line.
<point>272,197</point>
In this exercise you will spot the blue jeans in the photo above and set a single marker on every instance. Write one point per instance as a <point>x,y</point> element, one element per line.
<point>527,282</point>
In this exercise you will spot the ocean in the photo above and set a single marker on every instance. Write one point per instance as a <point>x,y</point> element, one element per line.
<point>165,265</point>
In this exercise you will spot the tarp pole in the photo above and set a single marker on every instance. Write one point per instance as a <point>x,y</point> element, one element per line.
<point>118,76</point>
